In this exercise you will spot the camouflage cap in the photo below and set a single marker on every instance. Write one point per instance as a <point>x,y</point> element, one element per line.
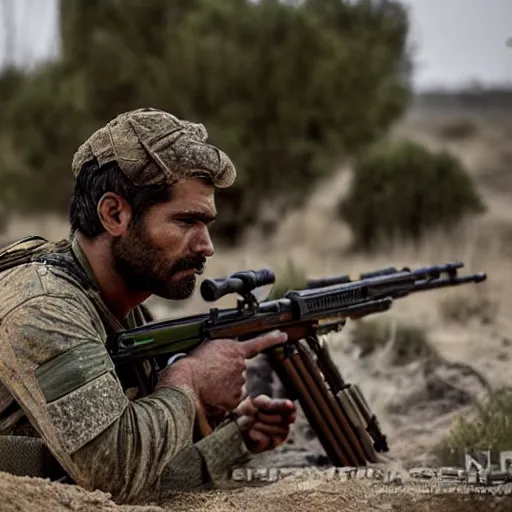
<point>154,147</point>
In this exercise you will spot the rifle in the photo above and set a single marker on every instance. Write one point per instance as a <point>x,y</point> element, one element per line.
<point>336,410</point>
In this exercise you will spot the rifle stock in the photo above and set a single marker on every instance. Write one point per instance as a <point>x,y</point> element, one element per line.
<point>337,411</point>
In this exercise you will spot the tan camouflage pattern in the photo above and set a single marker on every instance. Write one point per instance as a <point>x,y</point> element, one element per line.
<point>154,147</point>
<point>54,363</point>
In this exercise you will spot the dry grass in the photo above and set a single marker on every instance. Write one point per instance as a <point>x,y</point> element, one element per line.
<point>315,240</point>
<point>410,342</point>
<point>463,308</point>
<point>488,428</point>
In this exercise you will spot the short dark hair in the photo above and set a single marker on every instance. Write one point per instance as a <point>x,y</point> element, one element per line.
<point>93,181</point>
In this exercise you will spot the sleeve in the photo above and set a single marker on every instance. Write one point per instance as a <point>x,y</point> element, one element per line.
<point>78,406</point>
<point>215,454</point>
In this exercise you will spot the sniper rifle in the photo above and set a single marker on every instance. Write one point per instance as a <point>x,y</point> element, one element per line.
<point>336,410</point>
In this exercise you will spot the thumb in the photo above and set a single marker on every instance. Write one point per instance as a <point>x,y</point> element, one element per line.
<point>254,346</point>
<point>245,422</point>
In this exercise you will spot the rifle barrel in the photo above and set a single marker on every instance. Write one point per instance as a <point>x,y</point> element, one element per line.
<point>432,284</point>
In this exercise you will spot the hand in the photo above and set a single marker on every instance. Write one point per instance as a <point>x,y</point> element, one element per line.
<point>265,422</point>
<point>216,371</point>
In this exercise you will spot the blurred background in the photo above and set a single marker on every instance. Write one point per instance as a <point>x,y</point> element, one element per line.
<point>365,133</point>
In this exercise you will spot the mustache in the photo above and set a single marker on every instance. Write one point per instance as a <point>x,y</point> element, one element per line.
<point>197,263</point>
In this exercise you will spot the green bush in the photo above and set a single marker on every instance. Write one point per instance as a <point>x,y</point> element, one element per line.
<point>459,129</point>
<point>290,277</point>
<point>402,190</point>
<point>489,429</point>
<point>284,89</point>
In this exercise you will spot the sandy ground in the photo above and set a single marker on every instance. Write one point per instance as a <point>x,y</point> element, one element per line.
<point>416,401</point>
<point>31,495</point>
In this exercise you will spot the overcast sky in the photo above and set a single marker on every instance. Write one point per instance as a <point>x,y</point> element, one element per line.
<point>457,40</point>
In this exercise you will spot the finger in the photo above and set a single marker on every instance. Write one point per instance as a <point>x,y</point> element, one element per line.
<point>246,407</point>
<point>258,437</point>
<point>264,442</point>
<point>276,419</point>
<point>271,430</point>
<point>291,418</point>
<point>271,419</point>
<point>254,346</point>
<point>245,422</point>
<point>273,405</point>
<point>277,441</point>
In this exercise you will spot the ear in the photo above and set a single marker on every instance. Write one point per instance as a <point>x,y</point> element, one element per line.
<point>115,213</point>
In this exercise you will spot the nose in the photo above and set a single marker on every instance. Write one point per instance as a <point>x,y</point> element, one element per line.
<point>202,243</point>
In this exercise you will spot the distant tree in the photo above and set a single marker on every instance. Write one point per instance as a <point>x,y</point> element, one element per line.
<point>284,89</point>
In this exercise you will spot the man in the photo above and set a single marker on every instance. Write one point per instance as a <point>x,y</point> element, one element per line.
<point>142,204</point>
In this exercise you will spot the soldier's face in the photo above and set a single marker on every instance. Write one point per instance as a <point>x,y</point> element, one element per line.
<point>163,252</point>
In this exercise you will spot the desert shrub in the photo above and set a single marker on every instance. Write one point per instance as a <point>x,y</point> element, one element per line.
<point>289,277</point>
<point>490,428</point>
<point>458,129</point>
<point>408,342</point>
<point>279,86</point>
<point>369,335</point>
<point>401,190</point>
<point>462,308</point>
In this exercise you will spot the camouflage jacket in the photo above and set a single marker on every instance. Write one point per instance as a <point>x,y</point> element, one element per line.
<point>53,362</point>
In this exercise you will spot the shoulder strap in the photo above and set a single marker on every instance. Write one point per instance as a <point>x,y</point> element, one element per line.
<point>20,252</point>
<point>29,249</point>
<point>38,249</point>
<point>34,238</point>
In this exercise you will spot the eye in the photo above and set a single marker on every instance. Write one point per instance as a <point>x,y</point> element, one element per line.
<point>189,221</point>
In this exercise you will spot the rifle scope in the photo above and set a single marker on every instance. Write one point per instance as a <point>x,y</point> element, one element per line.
<point>240,282</point>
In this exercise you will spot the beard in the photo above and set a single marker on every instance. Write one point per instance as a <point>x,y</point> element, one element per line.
<point>145,268</point>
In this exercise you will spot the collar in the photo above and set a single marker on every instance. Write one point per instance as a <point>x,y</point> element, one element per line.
<point>133,317</point>
<point>83,261</point>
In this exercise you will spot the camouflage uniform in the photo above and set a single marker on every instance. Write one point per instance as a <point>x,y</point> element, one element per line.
<point>53,360</point>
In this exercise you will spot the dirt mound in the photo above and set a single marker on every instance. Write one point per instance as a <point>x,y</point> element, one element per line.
<point>34,494</point>
<point>31,495</point>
